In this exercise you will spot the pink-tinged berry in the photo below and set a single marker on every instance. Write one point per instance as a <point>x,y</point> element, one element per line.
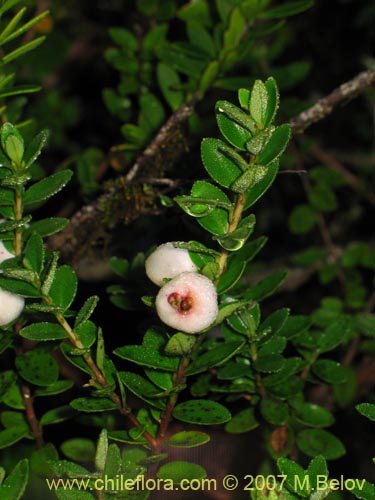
<point>11,306</point>
<point>4,253</point>
<point>188,302</point>
<point>166,262</point>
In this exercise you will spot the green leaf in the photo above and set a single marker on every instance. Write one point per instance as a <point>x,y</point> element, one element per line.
<point>12,143</point>
<point>214,357</point>
<point>7,4</point>
<point>142,388</point>
<point>150,353</point>
<point>44,189</point>
<point>43,332</point>
<point>35,147</point>
<point>222,163</point>
<point>248,251</point>
<point>315,442</point>
<point>335,334</point>
<point>179,471</point>
<point>15,484</point>
<point>152,113</point>
<point>330,371</point>
<point>249,179</point>
<point>200,37</point>
<point>47,227</point>
<point>201,412</point>
<point>180,344</point>
<point>244,421</point>
<point>274,411</point>
<point>58,415</point>
<point>272,101</point>
<point>276,145</point>
<point>38,367</point>
<point>313,415</point>
<point>89,405</point>
<point>170,85</point>
<point>289,368</point>
<point>288,9</point>
<point>34,253</point>
<point>269,363</point>
<point>367,409</point>
<point>364,490</point>
<point>292,471</point>
<point>20,51</point>
<point>216,222</point>
<point>259,103</point>
<point>86,310</point>
<point>9,34</point>
<point>236,239</point>
<point>188,439</point>
<point>12,435</point>
<point>263,183</point>
<point>302,219</point>
<point>294,325</point>
<point>55,388</point>
<point>64,287</point>
<point>266,287</point>
<point>317,467</point>
<point>208,77</point>
<point>244,98</point>
<point>124,38</point>
<point>234,124</point>
<point>79,449</point>
<point>185,59</point>
<point>229,279</point>
<point>273,324</point>
<point>322,198</point>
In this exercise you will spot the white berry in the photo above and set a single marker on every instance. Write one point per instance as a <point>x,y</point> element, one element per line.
<point>166,262</point>
<point>188,302</point>
<point>11,306</point>
<point>4,254</point>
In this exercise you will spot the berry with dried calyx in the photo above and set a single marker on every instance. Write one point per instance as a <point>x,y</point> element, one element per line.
<point>168,261</point>
<point>188,302</point>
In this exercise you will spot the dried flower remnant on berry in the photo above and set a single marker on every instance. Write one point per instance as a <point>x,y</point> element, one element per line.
<point>188,302</point>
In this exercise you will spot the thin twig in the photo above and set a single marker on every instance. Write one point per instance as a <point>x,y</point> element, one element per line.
<point>324,106</point>
<point>31,417</point>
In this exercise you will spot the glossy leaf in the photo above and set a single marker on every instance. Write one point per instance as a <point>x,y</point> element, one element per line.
<point>234,124</point>
<point>258,103</point>
<point>86,310</point>
<point>292,471</point>
<point>47,227</point>
<point>313,415</point>
<point>170,85</point>
<point>142,388</point>
<point>58,415</point>
<point>276,145</point>
<point>150,353</point>
<point>19,287</point>
<point>262,185</point>
<point>244,421</point>
<point>35,147</point>
<point>222,163</point>
<point>43,332</point>
<point>44,189</point>
<point>214,357</point>
<point>179,471</point>
<point>229,279</point>
<point>201,411</point>
<point>15,484</point>
<point>38,367</point>
<point>89,405</point>
<point>267,286</point>
<point>188,439</point>
<point>330,371</point>
<point>288,9</point>
<point>64,287</point>
<point>367,409</point>
<point>216,222</point>
<point>274,411</point>
<point>315,442</point>
<point>34,253</point>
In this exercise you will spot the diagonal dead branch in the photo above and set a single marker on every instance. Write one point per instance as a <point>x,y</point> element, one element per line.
<point>325,106</point>
<point>129,196</point>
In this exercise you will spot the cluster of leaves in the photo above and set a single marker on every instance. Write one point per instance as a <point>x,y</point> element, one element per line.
<point>219,46</point>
